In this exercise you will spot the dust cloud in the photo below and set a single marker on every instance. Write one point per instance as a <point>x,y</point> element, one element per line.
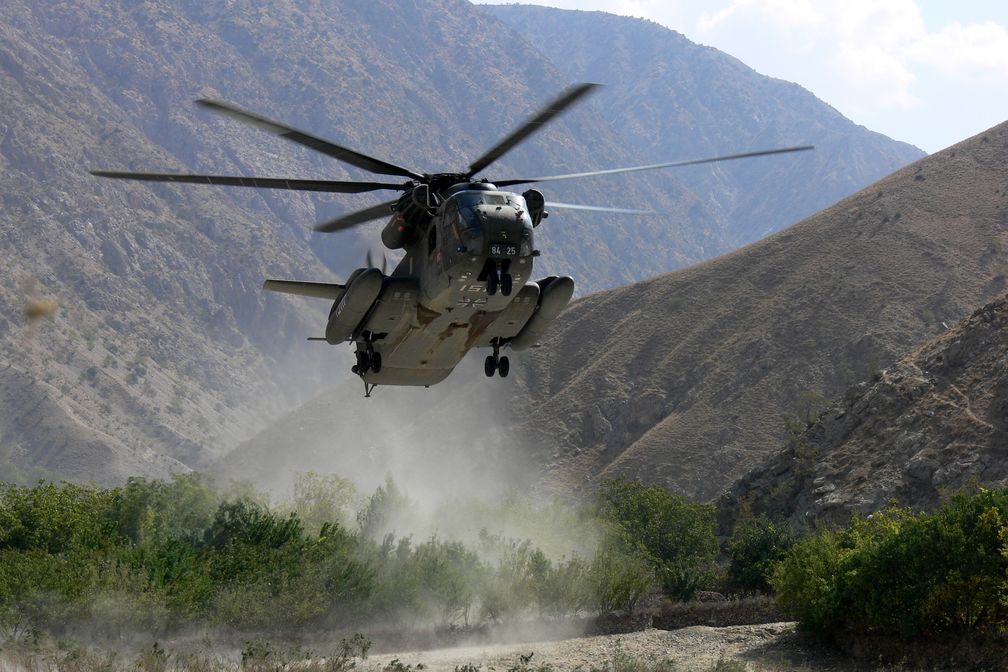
<point>455,451</point>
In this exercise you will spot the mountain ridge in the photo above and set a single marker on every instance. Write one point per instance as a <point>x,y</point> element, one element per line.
<point>933,423</point>
<point>165,351</point>
<point>667,87</point>
<point>687,379</point>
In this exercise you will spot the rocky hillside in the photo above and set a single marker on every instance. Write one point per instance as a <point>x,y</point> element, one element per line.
<point>675,98</point>
<point>164,351</point>
<point>932,423</point>
<point>687,379</point>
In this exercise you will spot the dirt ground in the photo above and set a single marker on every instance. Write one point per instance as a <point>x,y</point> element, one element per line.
<point>771,646</point>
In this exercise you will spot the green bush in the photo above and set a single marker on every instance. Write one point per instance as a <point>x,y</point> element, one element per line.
<point>617,580</point>
<point>672,534</point>
<point>756,544</point>
<point>160,555</point>
<point>936,575</point>
<point>55,518</point>
<point>150,511</point>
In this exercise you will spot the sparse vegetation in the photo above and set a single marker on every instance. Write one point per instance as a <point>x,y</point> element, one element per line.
<point>930,576</point>
<point>157,556</point>
<point>673,535</point>
<point>756,545</point>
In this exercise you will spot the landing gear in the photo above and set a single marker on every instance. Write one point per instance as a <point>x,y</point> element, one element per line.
<point>498,277</point>
<point>367,360</point>
<point>495,363</point>
<point>506,284</point>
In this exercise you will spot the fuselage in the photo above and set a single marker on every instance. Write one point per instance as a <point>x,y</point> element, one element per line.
<point>475,232</point>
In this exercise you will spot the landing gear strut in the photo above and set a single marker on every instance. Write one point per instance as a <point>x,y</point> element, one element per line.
<point>367,360</point>
<point>498,277</point>
<point>495,363</point>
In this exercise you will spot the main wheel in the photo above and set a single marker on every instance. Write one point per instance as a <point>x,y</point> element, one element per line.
<point>376,362</point>
<point>492,283</point>
<point>489,366</point>
<point>506,281</point>
<point>503,366</point>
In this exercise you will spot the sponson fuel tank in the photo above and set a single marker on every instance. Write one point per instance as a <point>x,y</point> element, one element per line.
<point>554,295</point>
<point>362,289</point>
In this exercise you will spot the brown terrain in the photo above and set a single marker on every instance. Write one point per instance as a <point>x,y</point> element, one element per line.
<point>671,92</point>
<point>687,379</point>
<point>770,646</point>
<point>934,422</point>
<point>164,352</point>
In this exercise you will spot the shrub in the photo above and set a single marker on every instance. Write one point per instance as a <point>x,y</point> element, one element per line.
<point>321,499</point>
<point>674,535</point>
<point>383,511</point>
<point>54,518</point>
<point>938,575</point>
<point>617,580</point>
<point>150,511</point>
<point>756,544</point>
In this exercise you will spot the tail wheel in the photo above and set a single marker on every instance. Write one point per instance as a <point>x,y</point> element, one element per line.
<point>503,366</point>
<point>490,366</point>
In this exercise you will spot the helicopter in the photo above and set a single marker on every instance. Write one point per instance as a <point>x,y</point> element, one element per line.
<point>465,280</point>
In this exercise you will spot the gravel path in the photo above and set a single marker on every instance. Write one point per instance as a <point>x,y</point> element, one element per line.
<point>761,647</point>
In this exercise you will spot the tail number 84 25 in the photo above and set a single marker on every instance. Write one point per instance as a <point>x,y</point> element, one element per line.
<point>503,250</point>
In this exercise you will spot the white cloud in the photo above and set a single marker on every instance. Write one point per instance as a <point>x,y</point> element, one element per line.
<point>875,76</point>
<point>957,49</point>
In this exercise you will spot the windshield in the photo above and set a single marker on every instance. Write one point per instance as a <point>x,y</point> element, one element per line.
<point>472,215</point>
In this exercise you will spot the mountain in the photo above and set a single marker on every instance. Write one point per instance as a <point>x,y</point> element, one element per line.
<point>688,379</point>
<point>676,99</point>
<point>934,422</point>
<point>164,352</point>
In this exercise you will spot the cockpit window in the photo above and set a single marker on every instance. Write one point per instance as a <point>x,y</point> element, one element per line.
<point>474,207</point>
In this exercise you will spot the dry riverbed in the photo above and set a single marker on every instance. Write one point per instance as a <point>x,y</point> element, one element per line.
<point>771,646</point>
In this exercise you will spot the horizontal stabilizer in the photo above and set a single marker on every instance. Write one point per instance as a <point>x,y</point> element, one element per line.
<point>319,290</point>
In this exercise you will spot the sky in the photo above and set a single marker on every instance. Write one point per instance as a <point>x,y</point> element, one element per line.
<point>928,72</point>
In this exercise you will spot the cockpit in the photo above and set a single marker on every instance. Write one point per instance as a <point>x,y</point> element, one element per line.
<point>473,220</point>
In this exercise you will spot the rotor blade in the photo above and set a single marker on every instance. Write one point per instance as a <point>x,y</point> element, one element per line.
<point>344,154</point>
<point>319,290</point>
<point>543,117</point>
<point>355,218</point>
<point>653,166</point>
<point>599,208</point>
<point>258,182</point>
